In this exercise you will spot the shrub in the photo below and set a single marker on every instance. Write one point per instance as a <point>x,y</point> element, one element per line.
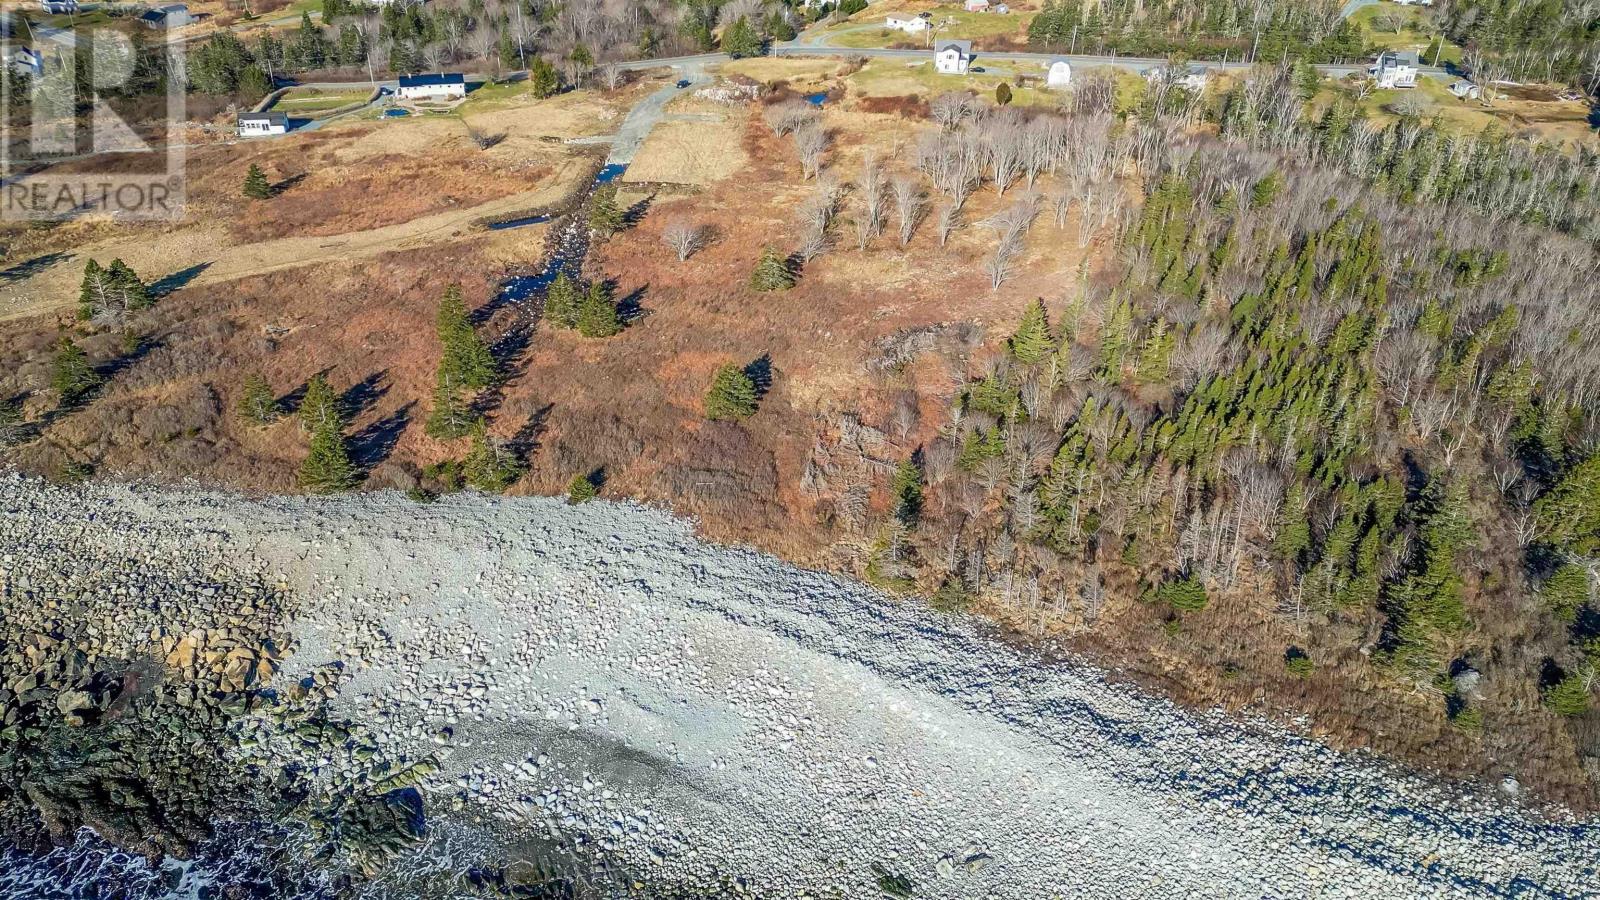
<point>256,186</point>
<point>1298,662</point>
<point>71,376</point>
<point>1569,696</point>
<point>581,489</point>
<point>772,273</point>
<point>257,404</point>
<point>1184,594</point>
<point>732,394</point>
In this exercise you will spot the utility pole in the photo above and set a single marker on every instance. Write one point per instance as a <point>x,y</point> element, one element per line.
<point>522,53</point>
<point>1073,51</point>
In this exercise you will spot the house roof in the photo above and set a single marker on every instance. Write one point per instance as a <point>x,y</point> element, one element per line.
<point>271,118</point>
<point>964,46</point>
<point>430,80</point>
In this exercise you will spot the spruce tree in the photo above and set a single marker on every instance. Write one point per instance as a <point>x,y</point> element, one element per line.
<point>740,39</point>
<point>255,184</point>
<point>543,79</point>
<point>561,302</point>
<point>1566,591</point>
<point>581,489</point>
<point>490,466</point>
<point>1570,511</point>
<point>95,292</point>
<point>1032,341</point>
<point>907,491</point>
<point>466,357</point>
<point>257,403</point>
<point>126,286</point>
<point>71,376</point>
<point>732,394</point>
<point>451,416</point>
<point>319,406</point>
<point>605,216</point>
<point>598,316</point>
<point>772,273</point>
<point>327,468</point>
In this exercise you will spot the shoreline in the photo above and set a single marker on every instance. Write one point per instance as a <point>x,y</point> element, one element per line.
<point>600,676</point>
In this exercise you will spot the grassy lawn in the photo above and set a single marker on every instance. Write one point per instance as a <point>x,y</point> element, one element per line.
<point>894,78</point>
<point>1562,122</point>
<point>489,95</point>
<point>303,101</point>
<point>963,26</point>
<point>1416,31</point>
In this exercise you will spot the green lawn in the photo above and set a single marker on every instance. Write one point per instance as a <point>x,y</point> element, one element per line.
<point>893,77</point>
<point>304,101</point>
<point>1415,31</point>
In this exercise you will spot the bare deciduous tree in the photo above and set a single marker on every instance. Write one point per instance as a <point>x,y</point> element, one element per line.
<point>909,205</point>
<point>812,142</point>
<point>683,237</point>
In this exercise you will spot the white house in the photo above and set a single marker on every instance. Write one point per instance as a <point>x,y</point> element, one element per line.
<point>908,24</point>
<point>25,62</point>
<point>1059,73</point>
<point>59,7</point>
<point>439,86</point>
<point>977,6</point>
<point>261,124</point>
<point>952,57</point>
<point>1395,69</point>
<point>1414,2</point>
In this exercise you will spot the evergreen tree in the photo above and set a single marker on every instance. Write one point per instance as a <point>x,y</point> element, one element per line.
<point>1266,190</point>
<point>95,293</point>
<point>254,83</point>
<point>732,394</point>
<point>1184,594</point>
<point>1032,342</point>
<point>1569,513</point>
<point>543,78</point>
<point>562,301</point>
<point>1002,94</point>
<point>466,358</point>
<point>490,466</point>
<point>1566,591</point>
<point>907,491</point>
<point>257,403</point>
<point>740,39</point>
<point>320,406</point>
<point>597,315</point>
<point>71,376</point>
<point>605,216</point>
<point>327,468</point>
<point>772,273</point>
<point>255,184</point>
<point>581,489</point>
<point>451,416</point>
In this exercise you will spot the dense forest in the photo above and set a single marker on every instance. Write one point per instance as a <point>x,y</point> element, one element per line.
<point>1209,29</point>
<point>1347,365</point>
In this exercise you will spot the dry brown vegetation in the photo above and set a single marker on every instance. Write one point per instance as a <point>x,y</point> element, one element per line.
<point>867,353</point>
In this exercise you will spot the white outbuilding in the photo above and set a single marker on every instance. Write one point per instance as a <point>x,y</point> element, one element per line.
<point>438,86</point>
<point>1059,73</point>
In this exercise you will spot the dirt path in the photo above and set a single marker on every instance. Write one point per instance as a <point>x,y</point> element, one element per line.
<point>54,286</point>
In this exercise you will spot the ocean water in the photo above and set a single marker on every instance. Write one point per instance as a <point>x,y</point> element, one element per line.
<point>239,862</point>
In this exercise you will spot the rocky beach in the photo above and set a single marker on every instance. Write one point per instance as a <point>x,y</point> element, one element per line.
<point>479,697</point>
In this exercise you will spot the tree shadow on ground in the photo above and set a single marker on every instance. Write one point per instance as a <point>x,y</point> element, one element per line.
<point>287,183</point>
<point>526,440</point>
<point>115,366</point>
<point>161,287</point>
<point>373,444</point>
<point>631,307</point>
<point>759,371</point>
<point>32,267</point>
<point>363,395</point>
